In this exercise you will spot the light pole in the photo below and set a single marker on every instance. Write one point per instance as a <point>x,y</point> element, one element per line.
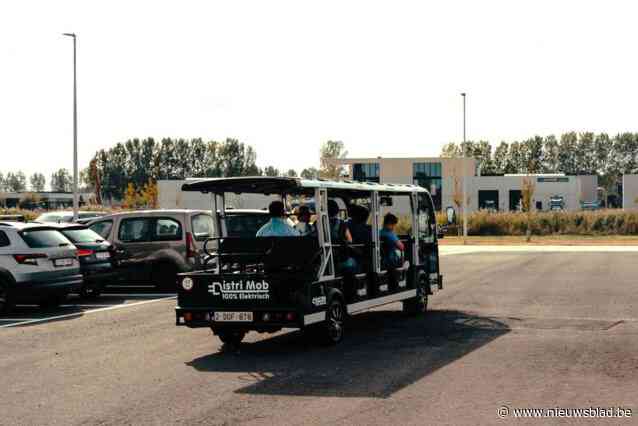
<point>464,177</point>
<point>76,201</point>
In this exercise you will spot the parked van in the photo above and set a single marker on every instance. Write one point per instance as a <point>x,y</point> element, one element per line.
<point>152,246</point>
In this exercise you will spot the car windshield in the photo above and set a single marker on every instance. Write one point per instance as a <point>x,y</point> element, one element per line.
<point>245,225</point>
<point>44,238</point>
<point>82,236</point>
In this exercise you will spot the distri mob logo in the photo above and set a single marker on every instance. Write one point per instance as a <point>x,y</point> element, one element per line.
<point>240,290</point>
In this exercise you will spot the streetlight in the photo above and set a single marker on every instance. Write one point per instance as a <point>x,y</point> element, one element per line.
<point>464,177</point>
<point>76,201</point>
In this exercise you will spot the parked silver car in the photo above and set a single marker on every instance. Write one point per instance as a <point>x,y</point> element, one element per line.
<point>37,265</point>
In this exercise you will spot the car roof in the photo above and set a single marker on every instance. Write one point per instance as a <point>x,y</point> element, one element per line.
<point>21,226</point>
<point>245,211</point>
<point>62,226</point>
<point>158,212</point>
<point>70,213</point>
<point>277,185</point>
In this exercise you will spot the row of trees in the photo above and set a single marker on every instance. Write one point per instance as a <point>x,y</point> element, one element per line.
<point>61,181</point>
<point>128,171</point>
<point>609,157</point>
<point>140,161</point>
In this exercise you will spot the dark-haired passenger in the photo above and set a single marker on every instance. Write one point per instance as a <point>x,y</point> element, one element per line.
<point>303,225</point>
<point>358,225</point>
<point>393,247</point>
<point>277,226</point>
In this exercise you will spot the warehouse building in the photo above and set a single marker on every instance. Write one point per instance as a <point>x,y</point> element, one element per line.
<point>443,177</point>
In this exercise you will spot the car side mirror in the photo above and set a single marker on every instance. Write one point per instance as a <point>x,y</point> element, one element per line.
<point>451,216</point>
<point>440,232</point>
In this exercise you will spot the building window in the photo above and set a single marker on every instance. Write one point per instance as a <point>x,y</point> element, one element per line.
<point>365,172</point>
<point>428,175</point>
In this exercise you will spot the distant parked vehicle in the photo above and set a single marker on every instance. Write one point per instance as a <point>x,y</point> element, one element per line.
<point>12,218</point>
<point>590,205</point>
<point>67,217</point>
<point>95,255</point>
<point>153,246</point>
<point>37,265</point>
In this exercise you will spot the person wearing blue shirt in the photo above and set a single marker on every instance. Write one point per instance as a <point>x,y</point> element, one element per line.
<point>277,226</point>
<point>393,247</point>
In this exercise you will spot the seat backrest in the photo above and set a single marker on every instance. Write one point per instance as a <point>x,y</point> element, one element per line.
<point>295,253</point>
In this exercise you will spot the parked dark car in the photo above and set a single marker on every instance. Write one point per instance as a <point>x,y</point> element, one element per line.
<point>66,216</point>
<point>95,255</point>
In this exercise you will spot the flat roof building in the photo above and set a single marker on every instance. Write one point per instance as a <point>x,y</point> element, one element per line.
<point>443,177</point>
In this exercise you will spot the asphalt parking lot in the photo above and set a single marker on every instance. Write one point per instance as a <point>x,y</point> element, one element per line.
<point>514,329</point>
<point>117,297</point>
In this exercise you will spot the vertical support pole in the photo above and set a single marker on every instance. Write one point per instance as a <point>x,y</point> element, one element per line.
<point>376,224</point>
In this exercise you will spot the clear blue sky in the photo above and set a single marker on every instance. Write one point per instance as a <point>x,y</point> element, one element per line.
<point>284,76</point>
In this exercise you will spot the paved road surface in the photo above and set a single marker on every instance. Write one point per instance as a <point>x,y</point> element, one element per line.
<point>525,330</point>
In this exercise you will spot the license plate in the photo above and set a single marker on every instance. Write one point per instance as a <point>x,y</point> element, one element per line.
<point>63,262</point>
<point>233,317</point>
<point>102,255</point>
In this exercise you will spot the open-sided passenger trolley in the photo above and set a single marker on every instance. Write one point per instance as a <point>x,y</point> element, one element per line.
<point>266,284</point>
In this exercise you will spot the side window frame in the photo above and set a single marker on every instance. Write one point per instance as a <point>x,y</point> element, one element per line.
<point>150,231</point>
<point>155,237</point>
<point>106,237</point>
<point>426,207</point>
<point>212,226</point>
<point>5,241</point>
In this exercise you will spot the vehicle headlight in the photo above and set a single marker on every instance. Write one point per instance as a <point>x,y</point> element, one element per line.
<point>187,283</point>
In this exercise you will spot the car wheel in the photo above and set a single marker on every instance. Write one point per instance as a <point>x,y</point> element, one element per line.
<point>90,291</point>
<point>5,300</point>
<point>231,337</point>
<point>331,331</point>
<point>165,277</point>
<point>417,305</point>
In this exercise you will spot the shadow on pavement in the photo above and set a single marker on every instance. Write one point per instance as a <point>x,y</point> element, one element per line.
<point>383,352</point>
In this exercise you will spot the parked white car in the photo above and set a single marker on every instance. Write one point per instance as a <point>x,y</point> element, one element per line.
<point>37,265</point>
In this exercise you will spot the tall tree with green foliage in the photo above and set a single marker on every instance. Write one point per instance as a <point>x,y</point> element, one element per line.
<point>309,173</point>
<point>61,181</point>
<point>15,182</point>
<point>451,150</point>
<point>38,182</point>
<point>329,154</point>
<point>271,171</point>
<point>550,160</point>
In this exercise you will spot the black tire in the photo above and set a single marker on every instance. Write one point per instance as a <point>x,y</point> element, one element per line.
<point>417,305</point>
<point>90,291</point>
<point>231,338</point>
<point>165,276</point>
<point>6,304</point>
<point>331,331</point>
<point>53,301</point>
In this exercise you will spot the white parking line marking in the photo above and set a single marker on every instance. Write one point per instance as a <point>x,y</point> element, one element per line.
<point>77,314</point>
<point>16,319</point>
<point>83,305</point>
